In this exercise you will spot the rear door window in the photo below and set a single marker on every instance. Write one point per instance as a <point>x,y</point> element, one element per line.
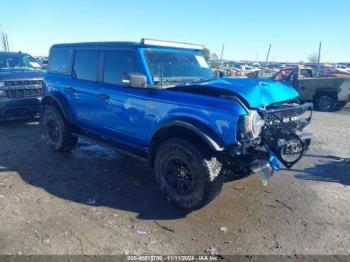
<point>86,65</point>
<point>116,64</point>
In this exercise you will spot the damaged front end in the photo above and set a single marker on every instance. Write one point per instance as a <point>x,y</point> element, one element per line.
<point>274,135</point>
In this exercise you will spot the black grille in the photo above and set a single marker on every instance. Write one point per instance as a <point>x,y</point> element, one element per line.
<point>24,88</point>
<point>285,116</point>
<point>22,83</point>
<point>25,93</point>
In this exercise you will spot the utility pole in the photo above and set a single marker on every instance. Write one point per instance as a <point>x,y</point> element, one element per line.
<point>4,41</point>
<point>222,55</point>
<point>267,56</point>
<point>319,58</point>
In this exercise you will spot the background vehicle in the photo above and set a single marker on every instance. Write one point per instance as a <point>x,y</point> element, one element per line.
<point>263,73</point>
<point>327,94</point>
<point>158,101</point>
<point>21,86</point>
<point>220,71</point>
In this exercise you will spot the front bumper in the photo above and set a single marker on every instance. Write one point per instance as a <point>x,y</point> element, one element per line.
<point>19,108</point>
<point>268,160</point>
<point>281,140</point>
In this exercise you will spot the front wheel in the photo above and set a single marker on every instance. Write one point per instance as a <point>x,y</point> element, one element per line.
<point>56,130</point>
<point>185,176</point>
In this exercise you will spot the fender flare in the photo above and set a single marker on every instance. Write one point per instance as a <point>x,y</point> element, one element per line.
<point>325,90</point>
<point>197,127</point>
<point>62,104</point>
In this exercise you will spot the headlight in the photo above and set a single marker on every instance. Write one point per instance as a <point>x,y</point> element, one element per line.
<point>253,124</point>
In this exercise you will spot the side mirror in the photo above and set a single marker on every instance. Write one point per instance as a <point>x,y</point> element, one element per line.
<point>135,80</point>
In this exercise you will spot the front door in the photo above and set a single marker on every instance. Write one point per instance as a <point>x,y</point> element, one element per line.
<point>120,110</point>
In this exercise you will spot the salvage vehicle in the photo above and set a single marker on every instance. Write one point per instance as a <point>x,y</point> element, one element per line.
<point>21,86</point>
<point>327,93</point>
<point>221,71</point>
<point>158,101</point>
<point>263,73</point>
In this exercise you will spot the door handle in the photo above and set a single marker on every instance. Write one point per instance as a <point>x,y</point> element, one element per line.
<point>69,89</point>
<point>103,96</point>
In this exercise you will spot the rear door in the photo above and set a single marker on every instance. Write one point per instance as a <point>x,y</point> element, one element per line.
<point>83,90</point>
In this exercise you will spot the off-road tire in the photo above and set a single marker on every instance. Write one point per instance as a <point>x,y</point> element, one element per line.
<point>207,175</point>
<point>64,140</point>
<point>325,103</point>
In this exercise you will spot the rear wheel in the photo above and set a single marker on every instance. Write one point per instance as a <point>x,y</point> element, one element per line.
<point>325,103</point>
<point>56,131</point>
<point>185,176</point>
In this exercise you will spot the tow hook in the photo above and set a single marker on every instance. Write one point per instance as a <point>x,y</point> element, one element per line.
<point>264,168</point>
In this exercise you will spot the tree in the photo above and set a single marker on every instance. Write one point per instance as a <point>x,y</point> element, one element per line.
<point>214,57</point>
<point>313,58</point>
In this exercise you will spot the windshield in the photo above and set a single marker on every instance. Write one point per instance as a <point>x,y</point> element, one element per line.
<point>17,60</point>
<point>177,66</point>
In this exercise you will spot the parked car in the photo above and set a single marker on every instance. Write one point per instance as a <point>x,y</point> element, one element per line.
<point>263,73</point>
<point>246,69</point>
<point>327,93</point>
<point>221,71</point>
<point>45,63</point>
<point>21,86</point>
<point>158,101</point>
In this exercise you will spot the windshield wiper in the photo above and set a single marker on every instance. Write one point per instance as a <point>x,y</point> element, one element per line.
<point>174,82</point>
<point>191,81</point>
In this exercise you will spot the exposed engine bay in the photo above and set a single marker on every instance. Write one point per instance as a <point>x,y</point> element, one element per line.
<point>281,138</point>
<point>282,131</point>
<point>267,136</point>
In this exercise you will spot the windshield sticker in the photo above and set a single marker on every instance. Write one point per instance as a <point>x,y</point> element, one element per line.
<point>201,61</point>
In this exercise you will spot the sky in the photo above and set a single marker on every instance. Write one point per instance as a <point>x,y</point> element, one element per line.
<point>294,28</point>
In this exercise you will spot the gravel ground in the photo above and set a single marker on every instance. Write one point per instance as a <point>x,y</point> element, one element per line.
<point>96,201</point>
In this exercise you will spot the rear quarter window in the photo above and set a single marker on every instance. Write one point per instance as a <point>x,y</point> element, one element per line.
<point>59,60</point>
<point>86,65</point>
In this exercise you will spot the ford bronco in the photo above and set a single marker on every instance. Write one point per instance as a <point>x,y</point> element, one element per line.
<point>159,101</point>
<point>21,86</point>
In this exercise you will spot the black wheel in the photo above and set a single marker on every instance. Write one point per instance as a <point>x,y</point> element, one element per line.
<point>325,103</point>
<point>185,176</point>
<point>56,131</point>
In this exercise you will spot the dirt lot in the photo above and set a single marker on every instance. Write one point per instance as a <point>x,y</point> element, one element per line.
<point>96,201</point>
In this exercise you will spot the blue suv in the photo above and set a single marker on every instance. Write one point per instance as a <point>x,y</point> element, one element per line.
<point>160,102</point>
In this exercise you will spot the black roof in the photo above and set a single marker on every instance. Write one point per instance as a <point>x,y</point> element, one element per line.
<point>11,53</point>
<point>98,44</point>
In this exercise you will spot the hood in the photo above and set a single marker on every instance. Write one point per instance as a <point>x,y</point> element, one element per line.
<point>21,74</point>
<point>255,92</point>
